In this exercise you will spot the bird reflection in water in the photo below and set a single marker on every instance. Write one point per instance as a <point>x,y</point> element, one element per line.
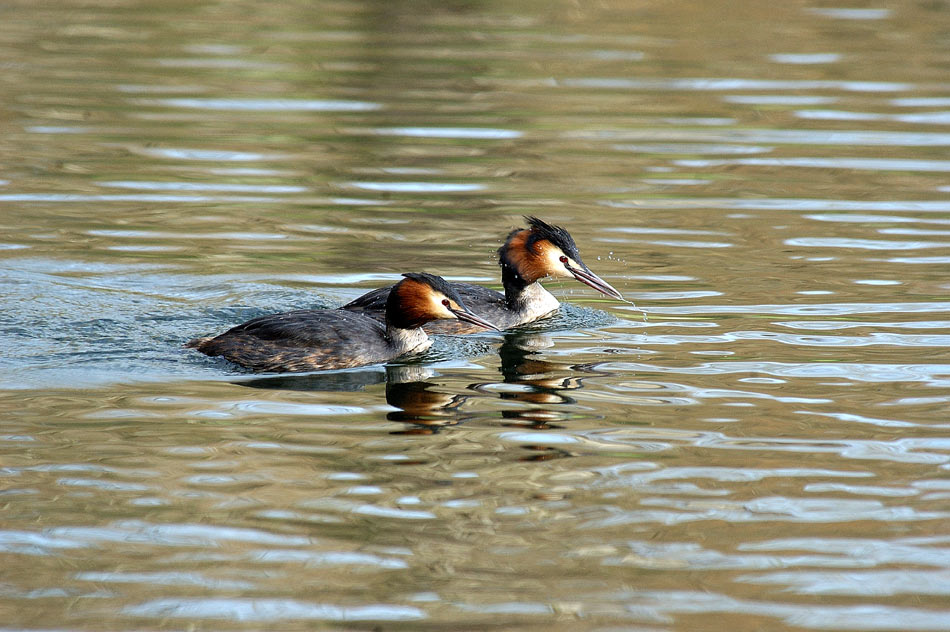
<point>539,387</point>
<point>540,383</point>
<point>347,380</point>
<point>526,379</point>
<point>419,401</point>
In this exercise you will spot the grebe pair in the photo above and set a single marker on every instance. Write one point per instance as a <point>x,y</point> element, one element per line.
<point>388,322</point>
<point>527,256</point>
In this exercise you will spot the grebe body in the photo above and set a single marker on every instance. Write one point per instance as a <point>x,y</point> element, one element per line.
<point>312,340</point>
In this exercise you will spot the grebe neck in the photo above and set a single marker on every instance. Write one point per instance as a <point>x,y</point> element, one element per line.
<point>405,340</point>
<point>529,300</point>
<point>514,285</point>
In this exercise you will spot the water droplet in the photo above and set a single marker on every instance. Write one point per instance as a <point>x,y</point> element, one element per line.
<point>645,319</point>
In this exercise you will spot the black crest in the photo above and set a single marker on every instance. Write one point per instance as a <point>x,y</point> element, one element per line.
<point>555,234</point>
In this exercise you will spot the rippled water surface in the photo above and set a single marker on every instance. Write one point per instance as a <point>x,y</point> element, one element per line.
<point>766,445</point>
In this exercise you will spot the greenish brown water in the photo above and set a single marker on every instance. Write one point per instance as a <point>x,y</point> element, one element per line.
<point>768,449</point>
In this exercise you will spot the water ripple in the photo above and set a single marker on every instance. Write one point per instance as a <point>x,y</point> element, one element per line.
<point>821,309</point>
<point>871,164</point>
<point>873,339</point>
<point>418,187</point>
<point>487,133</point>
<point>30,543</point>
<point>805,58</point>
<point>219,64</point>
<point>658,606</point>
<point>920,232</point>
<point>851,14</point>
<point>919,102</point>
<point>343,506</point>
<point>777,99</point>
<point>157,234</point>
<point>783,204</point>
<point>919,260</point>
<point>647,230</point>
<point>236,609</point>
<point>770,509</point>
<point>691,148</point>
<point>215,155</point>
<point>674,243</point>
<point>922,118</point>
<point>860,490</point>
<point>862,218</point>
<point>653,440</point>
<point>268,105</point>
<point>767,136</point>
<point>140,197</point>
<point>326,558</point>
<point>203,186</point>
<point>859,372</point>
<point>166,578</point>
<point>824,325</point>
<point>689,555</point>
<point>698,84</point>
<point>864,583</point>
<point>172,535</point>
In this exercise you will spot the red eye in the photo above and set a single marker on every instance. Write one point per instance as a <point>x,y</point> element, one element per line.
<point>563,259</point>
<point>446,302</point>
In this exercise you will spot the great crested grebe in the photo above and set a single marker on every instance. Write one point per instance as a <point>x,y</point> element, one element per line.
<point>312,340</point>
<point>527,256</point>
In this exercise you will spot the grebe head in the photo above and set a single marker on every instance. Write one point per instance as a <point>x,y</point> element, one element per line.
<point>420,298</point>
<point>545,250</point>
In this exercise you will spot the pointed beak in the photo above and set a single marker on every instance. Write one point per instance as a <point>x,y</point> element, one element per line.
<point>585,276</point>
<point>469,317</point>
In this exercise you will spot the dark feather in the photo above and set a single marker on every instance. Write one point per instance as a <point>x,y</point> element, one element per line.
<point>303,340</point>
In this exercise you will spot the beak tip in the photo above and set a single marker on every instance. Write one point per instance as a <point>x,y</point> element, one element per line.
<point>589,278</point>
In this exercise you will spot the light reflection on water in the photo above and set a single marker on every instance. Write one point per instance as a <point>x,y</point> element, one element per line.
<point>775,428</point>
<point>267,105</point>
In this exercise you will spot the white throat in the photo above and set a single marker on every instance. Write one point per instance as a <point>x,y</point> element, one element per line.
<point>536,302</point>
<point>406,340</point>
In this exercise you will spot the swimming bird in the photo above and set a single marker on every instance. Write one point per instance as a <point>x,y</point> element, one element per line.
<point>311,340</point>
<point>527,256</point>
